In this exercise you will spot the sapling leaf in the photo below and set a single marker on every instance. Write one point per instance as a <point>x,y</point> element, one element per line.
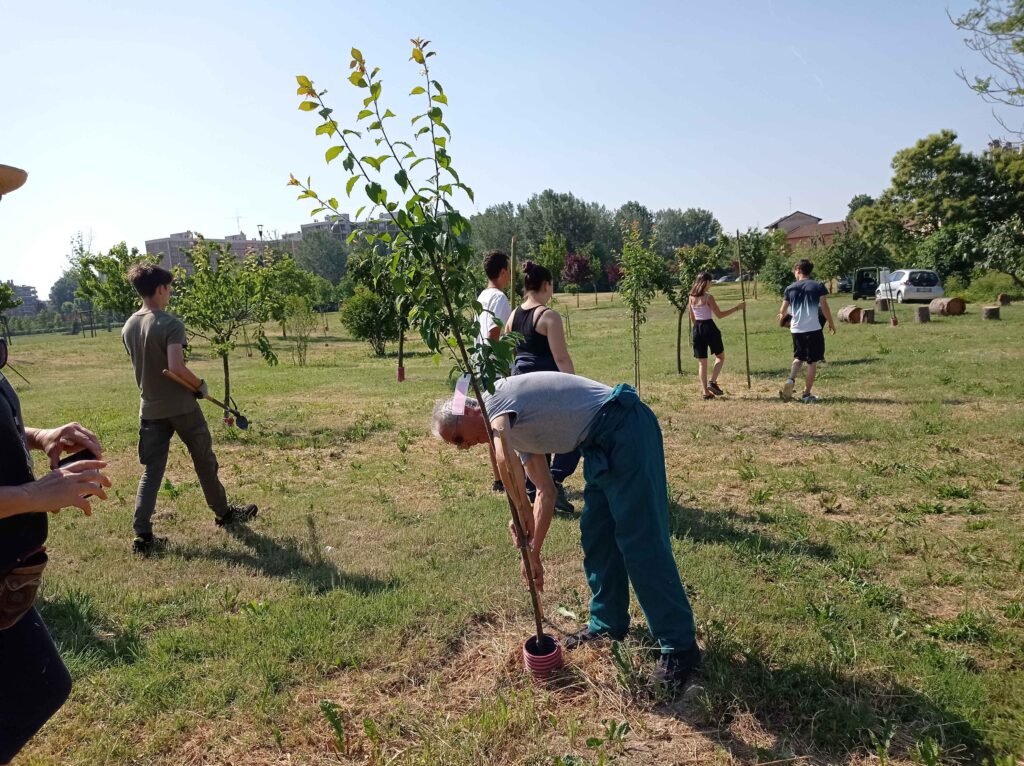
<point>333,152</point>
<point>308,106</point>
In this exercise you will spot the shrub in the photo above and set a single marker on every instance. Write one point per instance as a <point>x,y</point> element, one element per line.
<point>984,288</point>
<point>368,316</point>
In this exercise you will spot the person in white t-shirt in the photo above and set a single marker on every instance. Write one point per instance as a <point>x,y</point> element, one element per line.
<point>495,306</point>
<point>495,303</point>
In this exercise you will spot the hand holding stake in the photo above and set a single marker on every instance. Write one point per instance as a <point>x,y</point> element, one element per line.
<point>240,420</point>
<point>515,490</point>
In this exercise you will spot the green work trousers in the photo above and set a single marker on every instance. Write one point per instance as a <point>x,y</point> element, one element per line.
<point>624,525</point>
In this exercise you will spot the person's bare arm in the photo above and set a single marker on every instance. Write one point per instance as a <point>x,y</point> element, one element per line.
<point>784,309</point>
<point>63,487</point>
<point>722,314</point>
<point>551,326</point>
<point>828,315</point>
<point>176,364</point>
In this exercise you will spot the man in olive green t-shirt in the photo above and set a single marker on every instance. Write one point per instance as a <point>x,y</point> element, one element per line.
<point>155,341</point>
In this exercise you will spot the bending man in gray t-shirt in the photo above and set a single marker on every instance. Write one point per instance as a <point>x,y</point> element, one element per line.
<point>624,525</point>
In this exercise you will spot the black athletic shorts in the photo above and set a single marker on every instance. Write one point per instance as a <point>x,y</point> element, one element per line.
<point>809,346</point>
<point>706,335</point>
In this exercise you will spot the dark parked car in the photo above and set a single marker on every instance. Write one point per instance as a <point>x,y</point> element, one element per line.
<point>844,285</point>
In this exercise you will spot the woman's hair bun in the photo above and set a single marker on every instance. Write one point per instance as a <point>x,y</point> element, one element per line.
<point>529,266</point>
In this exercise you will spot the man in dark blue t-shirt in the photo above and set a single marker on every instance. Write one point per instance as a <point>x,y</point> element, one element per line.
<point>803,299</point>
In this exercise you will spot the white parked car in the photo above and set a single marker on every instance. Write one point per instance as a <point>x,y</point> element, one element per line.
<point>911,285</point>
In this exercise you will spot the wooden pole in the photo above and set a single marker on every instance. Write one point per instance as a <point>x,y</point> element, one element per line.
<point>512,274</point>
<point>743,297</point>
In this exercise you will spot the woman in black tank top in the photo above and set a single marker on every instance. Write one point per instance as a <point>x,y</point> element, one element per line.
<point>543,349</point>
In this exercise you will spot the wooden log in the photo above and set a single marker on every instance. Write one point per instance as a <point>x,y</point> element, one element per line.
<point>990,312</point>
<point>1004,299</point>
<point>850,314</point>
<point>882,305</point>
<point>867,316</point>
<point>922,314</point>
<point>948,307</point>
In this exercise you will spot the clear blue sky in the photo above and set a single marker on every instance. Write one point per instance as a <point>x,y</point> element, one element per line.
<point>135,120</point>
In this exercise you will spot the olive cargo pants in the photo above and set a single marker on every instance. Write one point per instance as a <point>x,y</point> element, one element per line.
<point>154,444</point>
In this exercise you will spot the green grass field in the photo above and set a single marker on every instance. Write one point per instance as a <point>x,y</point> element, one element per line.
<point>856,567</point>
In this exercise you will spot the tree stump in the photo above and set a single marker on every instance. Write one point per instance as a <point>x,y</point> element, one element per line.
<point>923,314</point>
<point>850,314</point>
<point>990,312</point>
<point>881,305</point>
<point>948,307</point>
<point>867,316</point>
<point>1004,299</point>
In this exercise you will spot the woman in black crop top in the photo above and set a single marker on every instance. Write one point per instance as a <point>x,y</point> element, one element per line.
<point>543,349</point>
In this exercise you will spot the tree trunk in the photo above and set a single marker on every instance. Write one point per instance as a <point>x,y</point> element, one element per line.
<point>595,294</point>
<point>679,343</point>
<point>401,356</point>
<point>850,314</point>
<point>881,305</point>
<point>922,314</point>
<point>867,316</point>
<point>577,299</point>
<point>990,312</point>
<point>284,330</point>
<point>1003,299</point>
<point>948,307</point>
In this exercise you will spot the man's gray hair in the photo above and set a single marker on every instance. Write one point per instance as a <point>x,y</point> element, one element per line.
<point>444,417</point>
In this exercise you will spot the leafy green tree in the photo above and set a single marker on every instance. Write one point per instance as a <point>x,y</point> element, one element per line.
<point>323,254</point>
<point>551,254</point>
<point>494,228</point>
<point>285,279</point>
<point>634,213</point>
<point>995,29</point>
<point>223,295</point>
<point>560,214</point>
<point>1003,249</point>
<point>64,289</point>
<point>859,201</point>
<point>8,300</point>
<point>103,279</point>
<point>777,271</point>
<point>370,317</point>
<point>951,251</point>
<point>303,322</point>
<point>433,237</point>
<point>682,228</point>
<point>642,273</point>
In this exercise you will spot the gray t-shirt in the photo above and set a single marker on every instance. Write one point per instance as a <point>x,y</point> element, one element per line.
<point>550,412</point>
<point>146,336</point>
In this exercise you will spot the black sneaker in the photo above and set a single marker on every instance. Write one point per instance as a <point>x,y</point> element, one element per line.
<point>587,636</point>
<point>237,514</point>
<point>561,501</point>
<point>498,486</point>
<point>714,388</point>
<point>147,545</point>
<point>674,669</point>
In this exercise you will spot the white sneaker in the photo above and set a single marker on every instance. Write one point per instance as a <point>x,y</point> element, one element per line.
<point>786,393</point>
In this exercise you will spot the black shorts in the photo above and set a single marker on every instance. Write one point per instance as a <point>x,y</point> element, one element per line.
<point>809,346</point>
<point>706,335</point>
